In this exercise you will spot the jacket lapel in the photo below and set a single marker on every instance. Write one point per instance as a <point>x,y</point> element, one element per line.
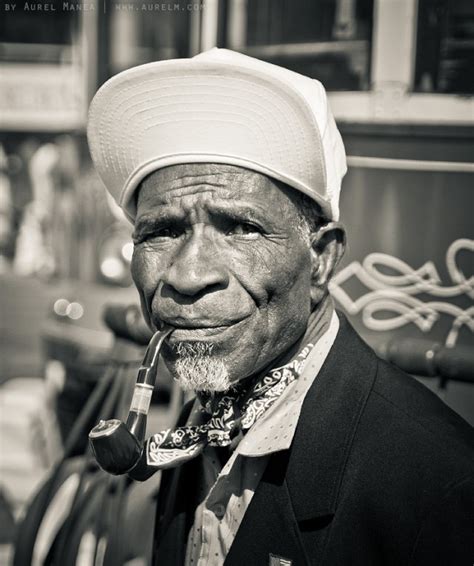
<point>268,534</point>
<point>327,425</point>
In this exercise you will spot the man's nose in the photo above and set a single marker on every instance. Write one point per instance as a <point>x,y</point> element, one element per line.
<point>197,266</point>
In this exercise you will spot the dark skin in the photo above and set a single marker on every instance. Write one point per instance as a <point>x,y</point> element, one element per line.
<point>219,256</point>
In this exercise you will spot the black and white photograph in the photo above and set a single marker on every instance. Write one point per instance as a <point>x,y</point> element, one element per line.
<point>237,283</point>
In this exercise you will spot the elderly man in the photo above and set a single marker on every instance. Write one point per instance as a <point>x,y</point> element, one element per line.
<point>301,447</point>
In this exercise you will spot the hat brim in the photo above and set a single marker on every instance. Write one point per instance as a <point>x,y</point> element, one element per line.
<point>178,111</point>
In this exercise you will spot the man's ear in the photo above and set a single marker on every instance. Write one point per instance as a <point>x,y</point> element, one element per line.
<point>327,248</point>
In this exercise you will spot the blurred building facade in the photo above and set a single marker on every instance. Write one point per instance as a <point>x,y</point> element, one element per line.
<point>400,82</point>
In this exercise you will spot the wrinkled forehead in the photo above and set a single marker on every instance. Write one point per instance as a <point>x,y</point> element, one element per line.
<point>211,181</point>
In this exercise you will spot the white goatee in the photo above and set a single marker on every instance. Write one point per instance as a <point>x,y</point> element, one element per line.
<point>196,369</point>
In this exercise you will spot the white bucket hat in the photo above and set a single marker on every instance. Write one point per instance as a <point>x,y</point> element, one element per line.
<point>218,107</point>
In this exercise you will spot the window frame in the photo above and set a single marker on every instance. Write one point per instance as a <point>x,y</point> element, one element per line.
<point>391,98</point>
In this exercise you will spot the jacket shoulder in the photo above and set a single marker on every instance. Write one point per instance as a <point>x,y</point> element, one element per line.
<point>420,413</point>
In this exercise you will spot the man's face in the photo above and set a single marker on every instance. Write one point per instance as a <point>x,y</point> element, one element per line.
<point>219,256</point>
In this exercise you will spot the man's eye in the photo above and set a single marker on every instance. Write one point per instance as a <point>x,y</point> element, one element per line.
<point>166,233</point>
<point>244,229</point>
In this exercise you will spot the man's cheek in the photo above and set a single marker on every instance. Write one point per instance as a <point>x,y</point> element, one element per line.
<point>145,270</point>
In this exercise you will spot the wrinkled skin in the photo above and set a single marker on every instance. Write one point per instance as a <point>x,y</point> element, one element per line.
<point>218,255</point>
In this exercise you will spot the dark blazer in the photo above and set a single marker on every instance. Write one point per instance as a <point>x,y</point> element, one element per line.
<point>380,472</point>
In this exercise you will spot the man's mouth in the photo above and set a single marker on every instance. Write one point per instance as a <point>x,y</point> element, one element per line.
<point>192,330</point>
<point>183,334</point>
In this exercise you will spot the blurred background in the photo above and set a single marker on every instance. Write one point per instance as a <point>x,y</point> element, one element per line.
<point>401,84</point>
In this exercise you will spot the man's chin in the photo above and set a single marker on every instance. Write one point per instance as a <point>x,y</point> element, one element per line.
<point>195,386</point>
<point>196,369</point>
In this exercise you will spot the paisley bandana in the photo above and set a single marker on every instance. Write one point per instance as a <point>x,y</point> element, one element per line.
<point>227,414</point>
